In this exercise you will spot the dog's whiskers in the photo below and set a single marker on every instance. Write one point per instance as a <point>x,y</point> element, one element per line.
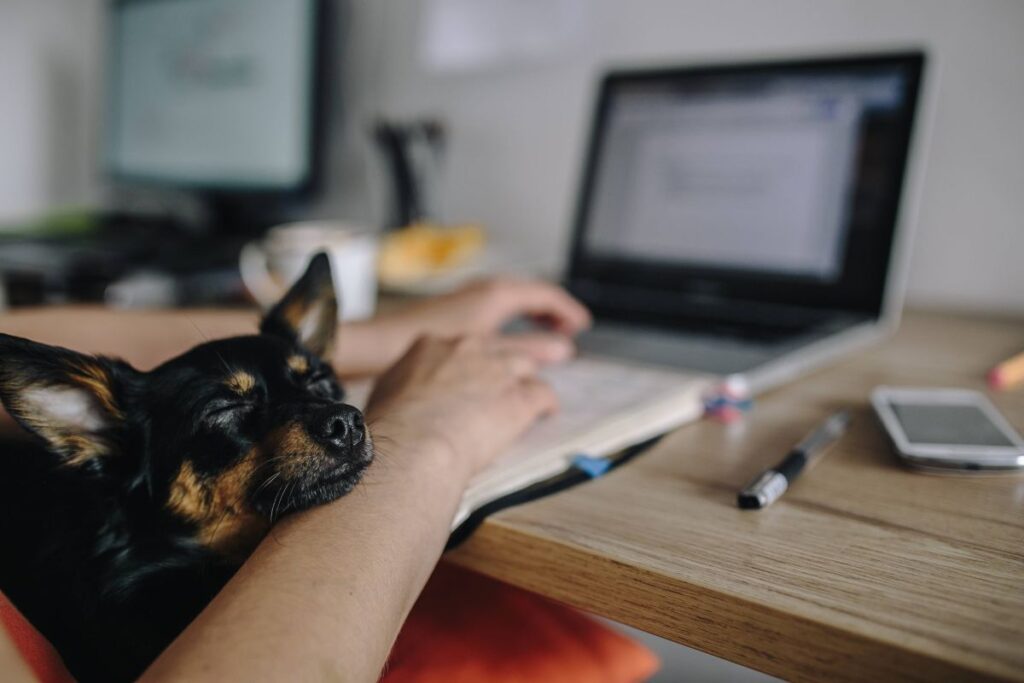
<point>202,334</point>
<point>286,501</point>
<point>273,504</point>
<point>278,501</point>
<point>266,482</point>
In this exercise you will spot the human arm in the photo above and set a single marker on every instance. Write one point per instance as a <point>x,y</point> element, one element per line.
<point>481,308</point>
<point>145,338</point>
<point>325,594</point>
<point>364,348</point>
<point>12,667</point>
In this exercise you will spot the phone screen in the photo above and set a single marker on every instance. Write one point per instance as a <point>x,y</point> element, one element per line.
<point>960,425</point>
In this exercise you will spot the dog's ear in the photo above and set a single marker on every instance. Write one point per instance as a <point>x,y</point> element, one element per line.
<point>308,313</point>
<point>72,401</point>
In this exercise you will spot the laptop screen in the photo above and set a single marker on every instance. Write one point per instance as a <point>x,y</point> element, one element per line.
<point>769,182</point>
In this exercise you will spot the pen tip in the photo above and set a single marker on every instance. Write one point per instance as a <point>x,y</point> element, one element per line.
<point>842,418</point>
<point>748,501</point>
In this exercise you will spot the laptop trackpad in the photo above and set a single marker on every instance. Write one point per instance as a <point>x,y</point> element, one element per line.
<point>710,354</point>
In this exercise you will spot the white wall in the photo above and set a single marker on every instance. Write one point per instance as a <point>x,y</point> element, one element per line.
<point>50,60</point>
<point>517,133</point>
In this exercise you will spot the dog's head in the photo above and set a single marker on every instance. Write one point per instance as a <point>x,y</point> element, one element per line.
<point>224,438</point>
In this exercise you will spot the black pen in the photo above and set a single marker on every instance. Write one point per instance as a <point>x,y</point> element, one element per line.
<point>772,483</point>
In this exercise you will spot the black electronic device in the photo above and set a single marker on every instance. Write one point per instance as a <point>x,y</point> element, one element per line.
<point>730,192</point>
<point>219,99</point>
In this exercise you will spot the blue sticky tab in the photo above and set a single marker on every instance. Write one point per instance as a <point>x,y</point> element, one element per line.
<point>719,402</point>
<point>591,466</point>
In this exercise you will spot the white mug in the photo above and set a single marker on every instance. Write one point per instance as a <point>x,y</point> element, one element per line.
<point>270,266</point>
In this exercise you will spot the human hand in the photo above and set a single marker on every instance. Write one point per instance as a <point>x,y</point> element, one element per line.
<point>467,397</point>
<point>484,307</point>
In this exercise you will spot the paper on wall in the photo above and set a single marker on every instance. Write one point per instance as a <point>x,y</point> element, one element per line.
<point>476,35</point>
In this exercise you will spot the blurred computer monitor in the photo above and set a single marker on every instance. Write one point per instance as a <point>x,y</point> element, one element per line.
<point>216,97</point>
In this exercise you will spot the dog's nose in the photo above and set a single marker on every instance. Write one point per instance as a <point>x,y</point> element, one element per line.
<point>339,427</point>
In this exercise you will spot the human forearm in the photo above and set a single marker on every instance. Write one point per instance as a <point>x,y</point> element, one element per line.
<point>324,595</point>
<point>143,338</point>
<point>13,668</point>
<point>483,308</point>
<point>366,348</point>
<point>146,338</point>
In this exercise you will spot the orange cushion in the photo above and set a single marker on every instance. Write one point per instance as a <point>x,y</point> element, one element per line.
<point>40,656</point>
<point>464,628</point>
<point>467,628</point>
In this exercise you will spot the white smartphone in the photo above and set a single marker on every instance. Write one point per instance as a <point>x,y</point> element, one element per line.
<point>948,429</point>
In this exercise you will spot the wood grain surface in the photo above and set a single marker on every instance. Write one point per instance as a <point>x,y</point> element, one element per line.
<point>864,570</point>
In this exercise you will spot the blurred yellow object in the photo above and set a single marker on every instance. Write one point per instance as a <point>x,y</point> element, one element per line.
<point>425,250</point>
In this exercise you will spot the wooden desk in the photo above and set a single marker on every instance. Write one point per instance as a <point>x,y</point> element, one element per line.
<point>863,571</point>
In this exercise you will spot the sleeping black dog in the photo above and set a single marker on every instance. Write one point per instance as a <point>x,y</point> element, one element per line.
<point>143,492</point>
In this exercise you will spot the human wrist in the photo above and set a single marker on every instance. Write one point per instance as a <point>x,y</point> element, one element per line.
<point>368,347</point>
<point>429,453</point>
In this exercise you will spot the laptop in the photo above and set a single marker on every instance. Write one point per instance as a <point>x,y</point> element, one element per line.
<point>741,221</point>
<point>735,223</point>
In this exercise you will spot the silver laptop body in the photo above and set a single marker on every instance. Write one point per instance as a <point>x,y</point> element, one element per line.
<point>744,220</point>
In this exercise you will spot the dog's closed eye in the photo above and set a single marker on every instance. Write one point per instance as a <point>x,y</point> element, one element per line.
<point>322,383</point>
<point>320,378</point>
<point>223,410</point>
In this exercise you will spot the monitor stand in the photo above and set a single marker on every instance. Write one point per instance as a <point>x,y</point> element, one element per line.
<point>247,215</point>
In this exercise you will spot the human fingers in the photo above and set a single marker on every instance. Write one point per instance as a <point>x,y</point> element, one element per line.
<point>537,398</point>
<point>519,365</point>
<point>514,298</point>
<point>545,348</point>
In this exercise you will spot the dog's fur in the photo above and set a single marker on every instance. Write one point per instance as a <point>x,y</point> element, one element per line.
<point>144,491</point>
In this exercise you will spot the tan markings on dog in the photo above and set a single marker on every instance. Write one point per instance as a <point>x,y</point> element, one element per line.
<point>97,381</point>
<point>294,447</point>
<point>241,382</point>
<point>76,447</point>
<point>295,312</point>
<point>298,364</point>
<point>80,449</point>
<point>306,316</point>
<point>217,506</point>
<point>56,411</point>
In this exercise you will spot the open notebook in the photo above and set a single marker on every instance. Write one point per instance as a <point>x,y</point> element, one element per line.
<point>606,406</point>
